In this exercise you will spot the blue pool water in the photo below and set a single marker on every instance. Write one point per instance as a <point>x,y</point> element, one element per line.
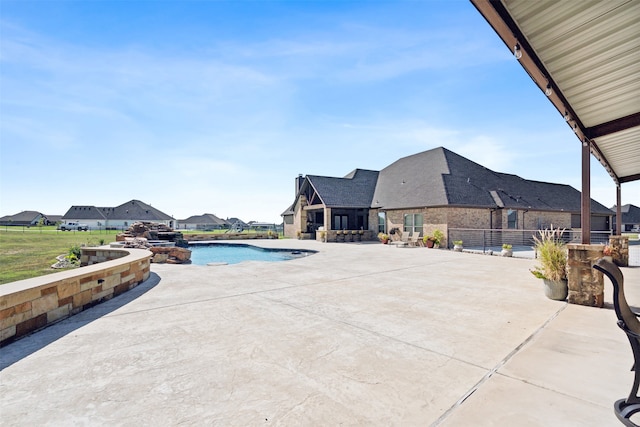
<point>217,253</point>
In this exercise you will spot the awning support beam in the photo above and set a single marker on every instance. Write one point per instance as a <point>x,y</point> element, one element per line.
<point>585,217</point>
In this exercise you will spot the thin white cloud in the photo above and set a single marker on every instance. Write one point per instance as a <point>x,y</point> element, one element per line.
<point>489,152</point>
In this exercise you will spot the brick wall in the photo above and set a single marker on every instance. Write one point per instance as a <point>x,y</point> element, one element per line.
<point>458,217</point>
<point>31,304</point>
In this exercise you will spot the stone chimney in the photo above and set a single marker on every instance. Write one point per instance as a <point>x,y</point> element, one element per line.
<point>299,181</point>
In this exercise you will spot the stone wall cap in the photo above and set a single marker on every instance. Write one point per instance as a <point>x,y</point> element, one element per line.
<point>48,279</point>
<point>583,247</point>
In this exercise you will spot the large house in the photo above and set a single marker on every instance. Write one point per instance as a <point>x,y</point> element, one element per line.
<point>26,218</point>
<point>435,189</point>
<point>630,218</point>
<point>116,218</point>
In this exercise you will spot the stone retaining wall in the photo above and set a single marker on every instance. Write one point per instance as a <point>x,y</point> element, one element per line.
<point>92,256</point>
<point>349,236</point>
<point>31,304</point>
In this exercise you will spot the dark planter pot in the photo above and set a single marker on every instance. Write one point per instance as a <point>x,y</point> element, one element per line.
<point>556,289</point>
<point>429,243</point>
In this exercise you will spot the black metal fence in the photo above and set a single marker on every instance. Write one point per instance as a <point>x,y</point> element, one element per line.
<point>52,229</point>
<point>492,240</point>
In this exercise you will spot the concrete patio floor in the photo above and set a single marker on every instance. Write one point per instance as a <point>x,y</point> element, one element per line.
<point>357,334</point>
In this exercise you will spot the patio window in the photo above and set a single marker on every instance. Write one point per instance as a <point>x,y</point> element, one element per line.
<point>413,223</point>
<point>512,219</point>
<point>382,222</point>
<point>341,222</point>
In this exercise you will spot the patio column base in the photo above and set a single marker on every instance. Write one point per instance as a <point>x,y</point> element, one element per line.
<point>586,285</point>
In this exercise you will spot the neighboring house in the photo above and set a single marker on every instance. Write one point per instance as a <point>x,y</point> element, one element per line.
<point>25,218</point>
<point>203,222</point>
<point>435,189</point>
<point>237,224</point>
<point>54,219</point>
<point>630,217</point>
<point>264,226</point>
<point>119,217</point>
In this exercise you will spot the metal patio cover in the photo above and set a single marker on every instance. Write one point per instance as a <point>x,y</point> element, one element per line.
<point>588,54</point>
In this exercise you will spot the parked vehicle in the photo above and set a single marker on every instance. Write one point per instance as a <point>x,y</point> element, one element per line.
<point>70,226</point>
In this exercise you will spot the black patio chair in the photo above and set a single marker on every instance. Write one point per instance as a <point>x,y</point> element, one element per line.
<point>628,322</point>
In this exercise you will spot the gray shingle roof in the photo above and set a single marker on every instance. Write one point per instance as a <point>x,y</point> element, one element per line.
<point>205,219</point>
<point>630,214</point>
<point>22,216</point>
<point>84,212</point>
<point>288,211</point>
<point>137,210</point>
<point>412,181</point>
<point>132,210</point>
<point>353,191</point>
<point>440,177</point>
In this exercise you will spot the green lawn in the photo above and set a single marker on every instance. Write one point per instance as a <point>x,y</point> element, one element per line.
<point>30,252</point>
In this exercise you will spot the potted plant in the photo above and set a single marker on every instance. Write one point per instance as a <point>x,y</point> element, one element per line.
<point>507,250</point>
<point>457,245</point>
<point>552,253</point>
<point>437,238</point>
<point>323,236</point>
<point>428,241</point>
<point>384,238</point>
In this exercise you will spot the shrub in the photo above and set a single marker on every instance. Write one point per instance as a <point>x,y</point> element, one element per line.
<point>552,254</point>
<point>437,237</point>
<point>75,252</point>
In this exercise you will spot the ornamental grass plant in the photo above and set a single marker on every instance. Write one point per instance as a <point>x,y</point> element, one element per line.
<point>552,254</point>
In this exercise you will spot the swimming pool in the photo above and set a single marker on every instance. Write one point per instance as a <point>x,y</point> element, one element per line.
<point>222,253</point>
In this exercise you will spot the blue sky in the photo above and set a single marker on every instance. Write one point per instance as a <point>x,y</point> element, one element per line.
<point>216,106</point>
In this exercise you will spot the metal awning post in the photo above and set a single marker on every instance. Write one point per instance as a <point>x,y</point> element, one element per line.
<point>618,210</point>
<point>585,209</point>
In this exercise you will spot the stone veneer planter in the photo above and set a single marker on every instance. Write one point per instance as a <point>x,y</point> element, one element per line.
<point>31,304</point>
